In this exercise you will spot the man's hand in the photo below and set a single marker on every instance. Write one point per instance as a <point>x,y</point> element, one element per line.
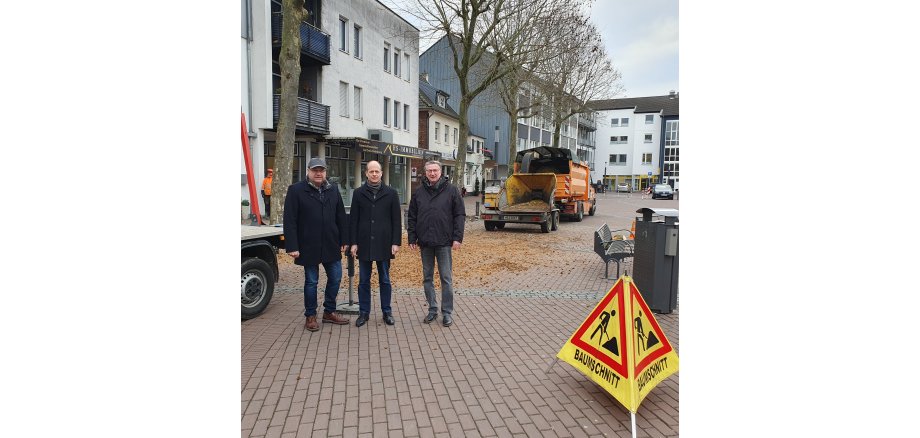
<point>413,246</point>
<point>294,254</point>
<point>456,246</point>
<point>354,250</point>
<point>344,248</point>
<point>394,249</point>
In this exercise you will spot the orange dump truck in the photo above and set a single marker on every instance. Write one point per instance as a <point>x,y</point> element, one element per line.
<point>574,194</point>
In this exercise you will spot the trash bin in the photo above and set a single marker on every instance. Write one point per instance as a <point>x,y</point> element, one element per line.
<point>655,258</point>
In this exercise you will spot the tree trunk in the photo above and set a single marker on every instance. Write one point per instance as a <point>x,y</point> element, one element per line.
<point>512,140</point>
<point>457,177</point>
<point>289,60</point>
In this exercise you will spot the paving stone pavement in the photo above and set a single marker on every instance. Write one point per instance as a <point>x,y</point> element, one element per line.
<point>492,373</point>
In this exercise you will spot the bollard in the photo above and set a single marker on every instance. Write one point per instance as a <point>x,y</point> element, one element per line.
<point>477,208</point>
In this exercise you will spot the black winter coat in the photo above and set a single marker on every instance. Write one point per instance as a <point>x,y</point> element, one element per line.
<point>436,215</point>
<point>375,224</point>
<point>314,223</point>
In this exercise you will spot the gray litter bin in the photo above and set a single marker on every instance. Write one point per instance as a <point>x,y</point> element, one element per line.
<point>655,259</point>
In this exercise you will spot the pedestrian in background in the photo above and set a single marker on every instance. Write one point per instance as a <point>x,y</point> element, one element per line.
<point>314,234</point>
<point>375,235</point>
<point>267,192</point>
<point>435,226</point>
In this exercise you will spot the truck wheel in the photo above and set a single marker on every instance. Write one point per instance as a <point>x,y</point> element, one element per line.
<point>490,226</point>
<point>555,225</point>
<point>581,213</point>
<point>500,226</point>
<point>257,283</point>
<point>544,226</point>
<point>593,207</point>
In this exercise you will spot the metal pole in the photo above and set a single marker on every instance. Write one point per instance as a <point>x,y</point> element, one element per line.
<point>632,416</point>
<point>477,208</point>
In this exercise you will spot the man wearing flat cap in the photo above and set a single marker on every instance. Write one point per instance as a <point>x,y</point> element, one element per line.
<point>314,234</point>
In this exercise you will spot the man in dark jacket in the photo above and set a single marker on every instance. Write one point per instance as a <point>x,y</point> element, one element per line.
<point>375,234</point>
<point>435,225</point>
<point>314,233</point>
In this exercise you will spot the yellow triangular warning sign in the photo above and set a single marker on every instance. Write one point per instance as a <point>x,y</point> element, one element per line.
<point>621,347</point>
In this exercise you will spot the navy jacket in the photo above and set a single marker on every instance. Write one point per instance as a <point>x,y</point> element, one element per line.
<point>436,215</point>
<point>374,223</point>
<point>314,223</point>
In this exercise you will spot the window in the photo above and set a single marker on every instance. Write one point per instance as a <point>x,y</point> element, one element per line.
<point>613,138</point>
<point>614,122</point>
<point>386,111</point>
<point>386,57</point>
<point>648,138</point>
<point>396,62</point>
<point>357,41</point>
<point>406,66</point>
<point>437,130</point>
<point>442,101</point>
<point>455,136</point>
<point>618,160</point>
<point>406,117</point>
<point>446,131</point>
<point>647,158</point>
<point>343,34</point>
<point>649,119</point>
<point>396,114</point>
<point>624,121</point>
<point>359,115</point>
<point>343,99</point>
<point>623,139</point>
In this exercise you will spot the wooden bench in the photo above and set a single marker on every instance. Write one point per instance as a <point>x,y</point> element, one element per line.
<point>609,248</point>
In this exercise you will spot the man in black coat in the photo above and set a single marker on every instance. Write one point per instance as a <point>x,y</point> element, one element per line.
<point>375,233</point>
<point>314,234</point>
<point>435,225</point>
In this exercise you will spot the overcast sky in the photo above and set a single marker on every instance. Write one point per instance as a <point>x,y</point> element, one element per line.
<point>641,39</point>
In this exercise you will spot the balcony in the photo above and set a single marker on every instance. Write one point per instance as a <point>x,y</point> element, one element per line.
<point>588,123</point>
<point>313,42</point>
<point>312,117</point>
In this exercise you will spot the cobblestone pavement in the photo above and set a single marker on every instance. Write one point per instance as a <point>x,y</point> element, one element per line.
<point>492,373</point>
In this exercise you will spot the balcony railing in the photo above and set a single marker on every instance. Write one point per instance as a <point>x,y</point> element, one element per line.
<point>313,42</point>
<point>589,124</point>
<point>312,117</point>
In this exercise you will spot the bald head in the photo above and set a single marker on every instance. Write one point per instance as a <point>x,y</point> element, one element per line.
<point>374,172</point>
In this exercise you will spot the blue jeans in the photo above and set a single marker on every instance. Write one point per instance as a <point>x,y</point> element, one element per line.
<point>311,279</point>
<point>364,285</point>
<point>443,256</point>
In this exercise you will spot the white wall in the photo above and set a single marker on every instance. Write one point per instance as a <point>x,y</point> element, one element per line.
<point>633,149</point>
<point>379,25</point>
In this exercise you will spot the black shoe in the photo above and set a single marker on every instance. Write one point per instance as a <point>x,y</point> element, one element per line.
<point>430,317</point>
<point>362,319</point>
<point>388,318</point>
<point>447,321</point>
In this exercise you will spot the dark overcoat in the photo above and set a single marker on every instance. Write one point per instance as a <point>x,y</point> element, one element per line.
<point>375,224</point>
<point>436,214</point>
<point>314,223</point>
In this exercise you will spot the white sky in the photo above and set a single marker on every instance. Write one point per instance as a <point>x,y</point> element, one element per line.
<point>641,37</point>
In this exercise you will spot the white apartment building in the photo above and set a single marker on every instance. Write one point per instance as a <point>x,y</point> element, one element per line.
<point>637,141</point>
<point>357,96</point>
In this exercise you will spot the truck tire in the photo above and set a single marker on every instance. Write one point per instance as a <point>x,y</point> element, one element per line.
<point>593,207</point>
<point>500,226</point>
<point>555,225</point>
<point>490,226</point>
<point>257,283</point>
<point>580,215</point>
<point>544,226</point>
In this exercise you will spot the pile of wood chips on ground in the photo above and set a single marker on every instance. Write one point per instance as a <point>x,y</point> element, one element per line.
<point>481,255</point>
<point>532,205</point>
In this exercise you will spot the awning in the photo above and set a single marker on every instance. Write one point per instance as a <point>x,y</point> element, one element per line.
<point>379,147</point>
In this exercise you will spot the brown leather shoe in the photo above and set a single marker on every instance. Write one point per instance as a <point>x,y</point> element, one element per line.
<point>311,324</point>
<point>334,318</point>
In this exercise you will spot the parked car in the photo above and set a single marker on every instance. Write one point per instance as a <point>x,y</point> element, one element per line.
<point>623,187</point>
<point>662,191</point>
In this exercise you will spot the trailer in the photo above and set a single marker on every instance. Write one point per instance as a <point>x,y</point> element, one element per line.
<point>259,249</point>
<point>524,199</point>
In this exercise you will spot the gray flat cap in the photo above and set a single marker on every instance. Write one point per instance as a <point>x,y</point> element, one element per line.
<point>317,162</point>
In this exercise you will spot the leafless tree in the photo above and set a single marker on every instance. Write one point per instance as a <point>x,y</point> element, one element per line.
<point>483,43</point>
<point>293,13</point>
<point>581,72</point>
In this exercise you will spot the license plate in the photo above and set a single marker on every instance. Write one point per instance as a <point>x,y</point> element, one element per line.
<point>511,218</point>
